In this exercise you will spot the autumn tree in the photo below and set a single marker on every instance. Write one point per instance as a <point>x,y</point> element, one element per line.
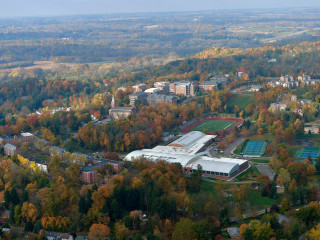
<point>184,230</point>
<point>99,231</point>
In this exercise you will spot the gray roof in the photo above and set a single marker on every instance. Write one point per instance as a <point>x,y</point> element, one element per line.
<point>10,146</point>
<point>138,94</point>
<point>214,83</point>
<point>233,232</point>
<point>163,97</point>
<point>121,109</point>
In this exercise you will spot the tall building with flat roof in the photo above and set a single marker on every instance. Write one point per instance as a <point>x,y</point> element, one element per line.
<point>183,88</point>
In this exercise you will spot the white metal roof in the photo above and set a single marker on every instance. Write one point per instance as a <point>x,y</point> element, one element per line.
<point>192,138</point>
<point>27,134</point>
<point>152,90</point>
<point>158,156</point>
<point>214,165</point>
<point>229,160</point>
<point>222,165</point>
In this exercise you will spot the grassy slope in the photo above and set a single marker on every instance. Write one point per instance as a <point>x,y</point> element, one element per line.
<point>241,100</point>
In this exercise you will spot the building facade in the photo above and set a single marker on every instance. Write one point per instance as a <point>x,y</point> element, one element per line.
<point>156,99</point>
<point>183,88</point>
<point>120,112</point>
<point>139,96</point>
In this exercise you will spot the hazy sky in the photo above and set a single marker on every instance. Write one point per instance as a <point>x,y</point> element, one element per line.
<point>9,8</point>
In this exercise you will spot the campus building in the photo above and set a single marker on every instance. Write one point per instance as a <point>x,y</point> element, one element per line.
<point>10,149</point>
<point>119,112</point>
<point>24,137</point>
<point>89,173</point>
<point>139,96</point>
<point>190,151</point>
<point>224,168</point>
<point>156,99</point>
<point>208,86</point>
<point>183,88</point>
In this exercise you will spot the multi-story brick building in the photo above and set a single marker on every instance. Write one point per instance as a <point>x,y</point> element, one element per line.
<point>156,99</point>
<point>139,96</point>
<point>10,149</point>
<point>24,137</point>
<point>89,173</point>
<point>183,88</point>
<point>208,86</point>
<point>163,86</point>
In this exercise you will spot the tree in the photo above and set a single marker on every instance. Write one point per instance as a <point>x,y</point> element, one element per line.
<point>261,231</point>
<point>285,204</point>
<point>314,233</point>
<point>73,173</point>
<point>99,231</point>
<point>121,231</point>
<point>29,212</point>
<point>184,230</point>
<point>135,216</point>
<point>205,230</point>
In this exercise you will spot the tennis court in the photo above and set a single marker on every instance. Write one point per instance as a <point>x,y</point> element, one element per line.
<point>306,152</point>
<point>255,148</point>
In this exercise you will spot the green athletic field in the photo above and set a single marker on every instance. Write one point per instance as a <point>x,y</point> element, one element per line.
<point>214,125</point>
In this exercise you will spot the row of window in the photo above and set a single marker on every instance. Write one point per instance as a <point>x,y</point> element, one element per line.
<point>212,173</point>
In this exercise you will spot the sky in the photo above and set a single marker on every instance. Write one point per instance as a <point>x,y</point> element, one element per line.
<point>14,8</point>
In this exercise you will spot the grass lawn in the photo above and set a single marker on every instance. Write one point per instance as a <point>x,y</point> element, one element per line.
<point>249,175</point>
<point>293,150</point>
<point>214,125</point>
<point>254,195</point>
<point>258,200</point>
<point>263,137</point>
<point>241,100</point>
<point>259,160</point>
<point>207,187</point>
<point>238,149</point>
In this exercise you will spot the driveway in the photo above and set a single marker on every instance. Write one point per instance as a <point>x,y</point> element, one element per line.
<point>265,169</point>
<point>228,150</point>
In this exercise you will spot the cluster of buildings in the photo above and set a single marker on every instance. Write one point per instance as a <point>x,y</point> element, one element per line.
<point>284,101</point>
<point>54,110</point>
<point>289,81</point>
<point>215,82</point>
<point>190,152</point>
<point>119,112</point>
<point>88,173</point>
<point>10,144</point>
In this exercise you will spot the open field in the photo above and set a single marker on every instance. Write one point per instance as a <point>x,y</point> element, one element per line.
<point>254,195</point>
<point>249,175</point>
<point>214,125</point>
<point>241,100</point>
<point>40,64</point>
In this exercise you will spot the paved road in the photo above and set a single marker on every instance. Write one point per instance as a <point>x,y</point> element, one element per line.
<point>228,150</point>
<point>265,169</point>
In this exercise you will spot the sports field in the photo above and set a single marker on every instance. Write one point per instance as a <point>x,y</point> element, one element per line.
<point>306,152</point>
<point>214,125</point>
<point>255,148</point>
